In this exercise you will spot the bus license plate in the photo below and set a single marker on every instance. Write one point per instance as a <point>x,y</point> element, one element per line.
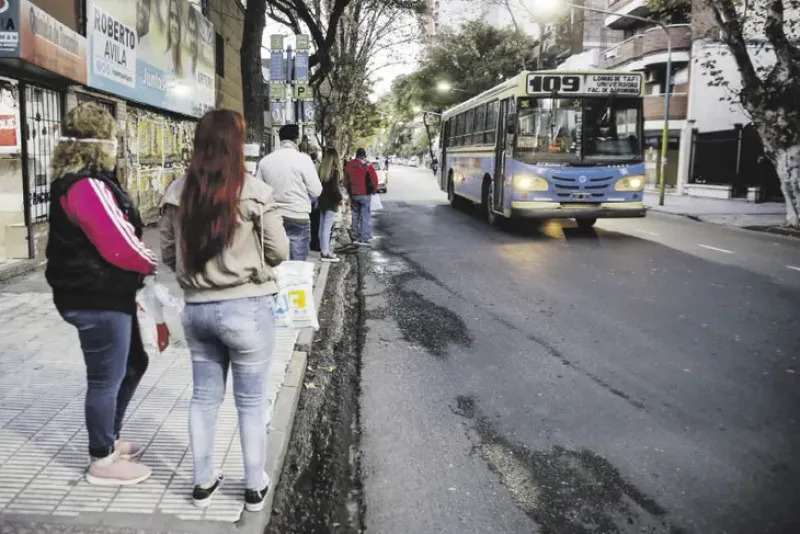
<point>581,196</point>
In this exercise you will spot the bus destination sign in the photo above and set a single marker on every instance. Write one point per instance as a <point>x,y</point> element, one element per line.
<point>585,84</point>
<point>618,84</point>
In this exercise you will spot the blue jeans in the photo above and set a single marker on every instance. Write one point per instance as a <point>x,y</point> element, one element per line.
<point>325,228</point>
<point>362,221</point>
<point>299,233</point>
<point>237,334</point>
<point>115,363</point>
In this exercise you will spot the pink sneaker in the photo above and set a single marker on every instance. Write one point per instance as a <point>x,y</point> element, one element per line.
<point>128,450</point>
<point>114,471</point>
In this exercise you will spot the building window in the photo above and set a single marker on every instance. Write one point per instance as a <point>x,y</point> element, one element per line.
<point>220,55</point>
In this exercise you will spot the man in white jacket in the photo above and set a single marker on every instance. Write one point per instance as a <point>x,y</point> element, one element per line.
<point>295,183</point>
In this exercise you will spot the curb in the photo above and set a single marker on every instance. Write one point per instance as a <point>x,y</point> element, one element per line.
<point>19,268</point>
<point>280,430</point>
<point>773,230</point>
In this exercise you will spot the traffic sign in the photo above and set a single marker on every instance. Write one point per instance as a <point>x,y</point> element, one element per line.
<point>303,91</point>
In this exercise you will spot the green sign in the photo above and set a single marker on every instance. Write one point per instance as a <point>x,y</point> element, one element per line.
<point>302,42</point>
<point>276,42</point>
<point>277,91</point>
<point>303,91</point>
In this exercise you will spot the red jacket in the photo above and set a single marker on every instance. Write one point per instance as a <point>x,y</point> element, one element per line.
<point>355,178</point>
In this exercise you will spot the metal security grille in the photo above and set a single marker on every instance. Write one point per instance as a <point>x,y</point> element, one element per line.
<point>42,130</point>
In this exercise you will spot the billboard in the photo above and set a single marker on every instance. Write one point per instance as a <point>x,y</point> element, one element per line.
<point>156,52</point>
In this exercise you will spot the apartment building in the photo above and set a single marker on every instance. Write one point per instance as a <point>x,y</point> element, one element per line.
<point>577,41</point>
<point>712,149</point>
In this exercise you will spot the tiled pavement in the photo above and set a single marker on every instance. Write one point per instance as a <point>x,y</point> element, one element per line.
<point>43,443</point>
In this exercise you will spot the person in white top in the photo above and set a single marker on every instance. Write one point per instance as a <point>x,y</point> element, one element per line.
<point>296,185</point>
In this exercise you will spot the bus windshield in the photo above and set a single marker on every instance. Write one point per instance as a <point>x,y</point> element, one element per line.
<point>579,130</point>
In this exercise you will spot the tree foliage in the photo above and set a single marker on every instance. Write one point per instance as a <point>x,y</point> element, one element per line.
<point>472,60</point>
<point>671,11</point>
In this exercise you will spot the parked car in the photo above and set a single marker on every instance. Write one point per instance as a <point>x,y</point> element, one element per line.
<point>383,175</point>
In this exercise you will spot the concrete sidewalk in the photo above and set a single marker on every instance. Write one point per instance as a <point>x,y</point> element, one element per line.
<point>739,213</point>
<point>43,442</point>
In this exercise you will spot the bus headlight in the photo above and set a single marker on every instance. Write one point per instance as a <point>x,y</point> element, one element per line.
<point>530,183</point>
<point>630,183</point>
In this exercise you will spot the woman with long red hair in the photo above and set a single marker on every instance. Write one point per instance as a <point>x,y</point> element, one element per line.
<point>222,235</point>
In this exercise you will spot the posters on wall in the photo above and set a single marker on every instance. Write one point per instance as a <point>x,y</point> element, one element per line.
<point>159,149</point>
<point>157,52</point>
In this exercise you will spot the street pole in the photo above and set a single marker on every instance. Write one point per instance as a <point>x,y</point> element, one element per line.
<point>665,132</point>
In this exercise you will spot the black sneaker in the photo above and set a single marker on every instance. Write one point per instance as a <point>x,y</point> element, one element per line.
<point>254,499</point>
<point>201,496</point>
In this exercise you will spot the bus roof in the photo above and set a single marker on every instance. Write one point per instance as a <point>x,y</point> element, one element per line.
<point>518,86</point>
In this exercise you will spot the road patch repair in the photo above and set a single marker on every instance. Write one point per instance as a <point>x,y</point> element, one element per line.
<point>43,440</point>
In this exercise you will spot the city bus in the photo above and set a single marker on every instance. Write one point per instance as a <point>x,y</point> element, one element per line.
<point>548,145</point>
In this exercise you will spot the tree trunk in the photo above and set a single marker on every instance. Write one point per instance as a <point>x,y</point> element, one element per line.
<point>787,164</point>
<point>252,79</point>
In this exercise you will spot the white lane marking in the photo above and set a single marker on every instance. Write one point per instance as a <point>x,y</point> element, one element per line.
<point>792,267</point>
<point>654,234</point>
<point>724,251</point>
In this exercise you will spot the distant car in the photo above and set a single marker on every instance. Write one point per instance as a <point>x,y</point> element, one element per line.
<point>383,176</point>
<point>413,162</point>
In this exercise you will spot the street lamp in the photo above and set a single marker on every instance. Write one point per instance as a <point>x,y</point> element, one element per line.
<point>550,7</point>
<point>447,87</point>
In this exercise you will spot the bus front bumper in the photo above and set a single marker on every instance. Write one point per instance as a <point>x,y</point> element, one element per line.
<point>557,210</point>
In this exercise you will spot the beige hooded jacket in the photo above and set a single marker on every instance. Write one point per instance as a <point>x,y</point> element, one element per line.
<point>244,269</point>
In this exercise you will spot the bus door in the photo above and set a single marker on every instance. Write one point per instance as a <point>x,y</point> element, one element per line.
<point>444,137</point>
<point>501,150</point>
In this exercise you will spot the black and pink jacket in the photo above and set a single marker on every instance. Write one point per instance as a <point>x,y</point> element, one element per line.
<point>96,258</point>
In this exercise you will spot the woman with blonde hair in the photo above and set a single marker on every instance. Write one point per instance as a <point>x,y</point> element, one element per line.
<point>330,172</point>
<point>222,234</point>
<point>96,262</point>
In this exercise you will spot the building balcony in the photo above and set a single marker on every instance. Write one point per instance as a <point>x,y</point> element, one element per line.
<point>636,8</point>
<point>654,107</point>
<point>649,48</point>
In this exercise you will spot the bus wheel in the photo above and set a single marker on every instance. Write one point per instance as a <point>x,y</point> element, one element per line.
<point>451,194</point>
<point>585,224</point>
<point>493,218</point>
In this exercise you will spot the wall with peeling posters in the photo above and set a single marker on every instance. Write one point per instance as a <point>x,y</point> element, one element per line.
<point>158,152</point>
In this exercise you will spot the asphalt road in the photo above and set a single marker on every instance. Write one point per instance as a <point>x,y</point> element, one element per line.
<point>640,378</point>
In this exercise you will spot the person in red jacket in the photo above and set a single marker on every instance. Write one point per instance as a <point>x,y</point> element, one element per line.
<point>361,182</point>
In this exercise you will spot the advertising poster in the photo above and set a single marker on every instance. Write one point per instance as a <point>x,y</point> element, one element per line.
<point>9,120</point>
<point>9,28</point>
<point>157,52</point>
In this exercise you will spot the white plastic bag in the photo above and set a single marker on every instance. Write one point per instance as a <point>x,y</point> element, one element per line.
<point>375,203</point>
<point>151,301</point>
<point>294,304</point>
<point>147,329</point>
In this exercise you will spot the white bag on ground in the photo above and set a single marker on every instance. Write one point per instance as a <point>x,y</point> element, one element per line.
<point>375,203</point>
<point>294,303</point>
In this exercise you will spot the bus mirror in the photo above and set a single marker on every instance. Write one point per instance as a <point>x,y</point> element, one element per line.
<point>511,124</point>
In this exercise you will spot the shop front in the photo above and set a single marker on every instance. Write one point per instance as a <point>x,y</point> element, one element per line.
<point>40,58</point>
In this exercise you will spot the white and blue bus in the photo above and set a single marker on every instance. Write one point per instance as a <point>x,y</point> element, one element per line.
<point>547,145</point>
